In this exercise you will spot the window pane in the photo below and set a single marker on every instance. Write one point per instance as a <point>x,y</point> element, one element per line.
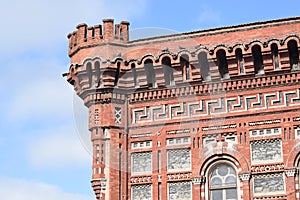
<point>216,195</point>
<point>216,181</point>
<point>223,170</point>
<point>230,194</point>
<point>230,179</point>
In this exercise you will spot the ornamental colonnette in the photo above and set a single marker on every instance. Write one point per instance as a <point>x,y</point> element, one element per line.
<point>209,114</point>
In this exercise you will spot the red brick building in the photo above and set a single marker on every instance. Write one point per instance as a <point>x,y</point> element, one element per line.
<point>210,114</point>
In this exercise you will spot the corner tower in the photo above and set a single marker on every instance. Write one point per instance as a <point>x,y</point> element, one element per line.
<point>96,63</point>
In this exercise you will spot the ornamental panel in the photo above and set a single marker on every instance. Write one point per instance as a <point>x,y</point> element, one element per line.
<point>265,132</point>
<point>266,151</point>
<point>268,184</point>
<point>178,141</point>
<point>143,192</point>
<point>179,159</point>
<point>141,163</point>
<point>180,191</point>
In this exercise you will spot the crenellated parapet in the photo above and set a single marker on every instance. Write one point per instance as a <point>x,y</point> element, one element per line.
<point>86,36</point>
<point>221,64</point>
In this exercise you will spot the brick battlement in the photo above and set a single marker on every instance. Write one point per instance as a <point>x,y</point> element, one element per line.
<point>91,35</point>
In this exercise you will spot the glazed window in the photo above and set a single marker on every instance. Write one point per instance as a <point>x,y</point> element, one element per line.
<point>222,182</point>
<point>222,64</point>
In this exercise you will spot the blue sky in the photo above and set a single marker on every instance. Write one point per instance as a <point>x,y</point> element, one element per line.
<point>44,150</point>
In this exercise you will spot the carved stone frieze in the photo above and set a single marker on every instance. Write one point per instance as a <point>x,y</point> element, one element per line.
<point>139,192</point>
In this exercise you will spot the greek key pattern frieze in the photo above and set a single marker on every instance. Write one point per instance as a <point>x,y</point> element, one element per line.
<point>224,105</point>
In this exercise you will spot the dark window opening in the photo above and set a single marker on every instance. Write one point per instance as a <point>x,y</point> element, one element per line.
<point>293,54</point>
<point>204,66</point>
<point>185,66</point>
<point>134,74</point>
<point>150,73</point>
<point>117,74</point>
<point>239,60</point>
<point>89,74</point>
<point>257,60</point>
<point>274,50</point>
<point>168,71</point>
<point>222,64</point>
<point>98,74</point>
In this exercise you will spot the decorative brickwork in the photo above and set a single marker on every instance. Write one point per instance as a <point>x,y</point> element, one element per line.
<point>209,114</point>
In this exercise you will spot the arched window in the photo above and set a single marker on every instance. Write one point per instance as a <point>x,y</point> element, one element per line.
<point>150,73</point>
<point>168,71</point>
<point>239,60</point>
<point>222,182</point>
<point>89,74</point>
<point>222,63</point>
<point>134,74</point>
<point>185,66</point>
<point>117,74</point>
<point>274,50</point>
<point>257,60</point>
<point>204,66</point>
<point>293,53</point>
<point>98,74</point>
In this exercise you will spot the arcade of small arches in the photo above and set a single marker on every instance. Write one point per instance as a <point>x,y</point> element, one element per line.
<point>203,65</point>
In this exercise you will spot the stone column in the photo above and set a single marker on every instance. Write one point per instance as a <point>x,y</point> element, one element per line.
<point>245,185</point>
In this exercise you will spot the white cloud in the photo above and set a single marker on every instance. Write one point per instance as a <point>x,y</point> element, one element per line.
<point>39,24</point>
<point>37,90</point>
<point>16,189</point>
<point>58,148</point>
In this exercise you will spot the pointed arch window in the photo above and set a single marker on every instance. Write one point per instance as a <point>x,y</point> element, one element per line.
<point>222,182</point>
<point>222,63</point>
<point>168,71</point>
<point>239,60</point>
<point>293,54</point>
<point>204,66</point>
<point>274,50</point>
<point>151,80</point>
<point>185,66</point>
<point>89,74</point>
<point>257,60</point>
<point>98,74</point>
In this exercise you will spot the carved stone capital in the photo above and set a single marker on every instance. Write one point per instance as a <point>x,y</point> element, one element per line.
<point>103,184</point>
<point>245,176</point>
<point>198,180</point>
<point>290,172</point>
